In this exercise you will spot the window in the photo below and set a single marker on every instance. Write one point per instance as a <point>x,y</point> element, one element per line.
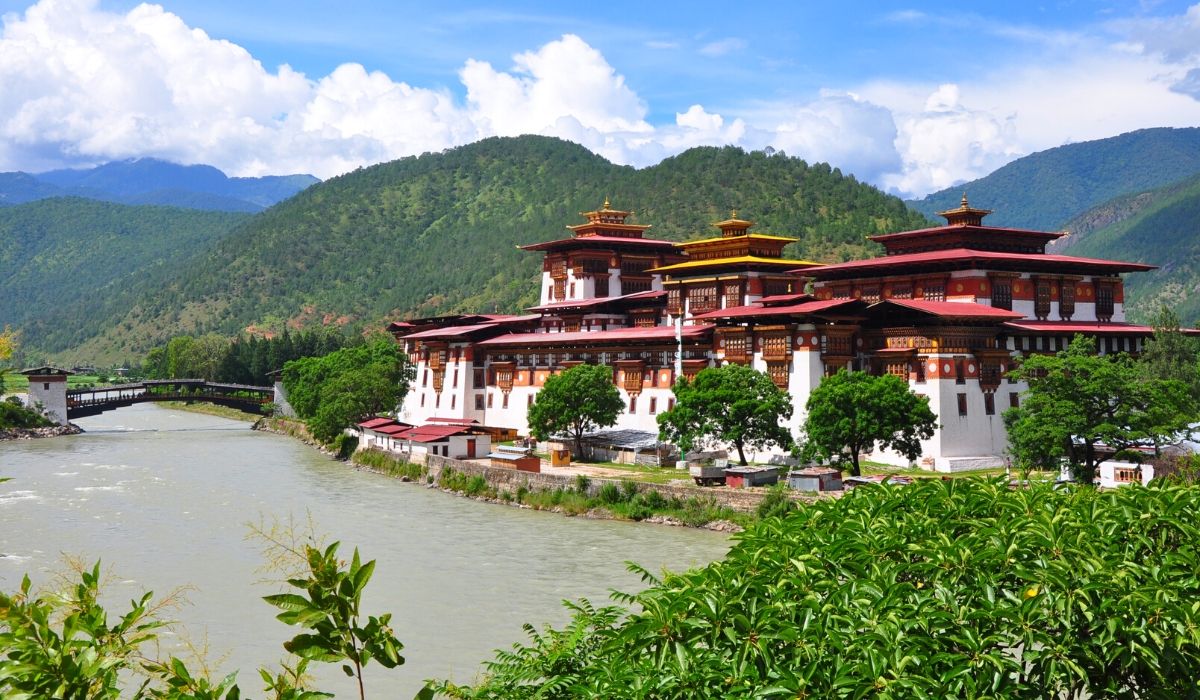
<point>989,404</point>
<point>453,400</point>
<point>422,400</point>
<point>870,294</point>
<point>529,400</point>
<point>572,295</point>
<point>633,404</point>
<point>733,296</point>
<point>1041,303</point>
<point>920,370</point>
<point>455,384</point>
<point>602,286</point>
<point>1104,302</point>
<point>1002,294</point>
<point>478,402</point>
<point>437,400</point>
<point>776,287</point>
<point>902,291</point>
<point>960,374</point>
<point>653,406</point>
<point>1014,399</point>
<point>505,403</point>
<point>46,386</point>
<point>962,404</point>
<point>1066,300</point>
<point>673,304</point>
<point>935,291</point>
<point>425,379</point>
<point>477,379</point>
<point>670,404</point>
<point>841,293</point>
<point>490,400</point>
<point>701,299</point>
<point>560,290</point>
<point>634,286</point>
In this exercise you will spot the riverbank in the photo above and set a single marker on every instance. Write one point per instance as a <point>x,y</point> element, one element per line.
<point>33,433</point>
<point>211,409</point>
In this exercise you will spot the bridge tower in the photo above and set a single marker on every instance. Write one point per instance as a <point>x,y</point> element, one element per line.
<point>48,387</point>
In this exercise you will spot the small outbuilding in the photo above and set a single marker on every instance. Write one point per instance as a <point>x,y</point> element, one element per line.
<point>815,479</point>
<point>740,477</point>
<point>519,458</point>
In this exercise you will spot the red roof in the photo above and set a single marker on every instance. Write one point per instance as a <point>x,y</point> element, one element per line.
<point>748,311</point>
<point>953,309</point>
<point>661,333</point>
<point>651,242</point>
<point>975,256</point>
<point>376,422</point>
<point>784,298</point>
<point>450,331</point>
<point>455,421</point>
<point>1080,327</point>
<point>584,303</point>
<point>392,429</point>
<point>431,433</point>
<point>1050,235</point>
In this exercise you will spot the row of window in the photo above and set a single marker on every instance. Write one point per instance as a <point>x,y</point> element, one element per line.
<point>989,403</point>
<point>633,401</point>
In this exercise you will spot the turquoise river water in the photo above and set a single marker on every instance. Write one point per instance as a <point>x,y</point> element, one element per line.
<point>165,496</point>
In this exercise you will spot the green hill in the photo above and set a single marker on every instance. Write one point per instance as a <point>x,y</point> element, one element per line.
<point>79,256</point>
<point>1163,231</point>
<point>1043,190</point>
<point>436,233</point>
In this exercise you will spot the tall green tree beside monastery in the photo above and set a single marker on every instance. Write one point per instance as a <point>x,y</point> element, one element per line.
<point>580,400</point>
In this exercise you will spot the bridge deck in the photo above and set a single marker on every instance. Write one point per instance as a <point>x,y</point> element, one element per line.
<point>90,401</point>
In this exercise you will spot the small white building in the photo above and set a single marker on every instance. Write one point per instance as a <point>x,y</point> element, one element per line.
<point>48,392</point>
<point>1114,473</point>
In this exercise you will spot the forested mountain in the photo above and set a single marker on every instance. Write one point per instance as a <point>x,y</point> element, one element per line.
<point>1164,231</point>
<point>435,233</point>
<point>1043,190</point>
<point>153,181</point>
<point>80,256</point>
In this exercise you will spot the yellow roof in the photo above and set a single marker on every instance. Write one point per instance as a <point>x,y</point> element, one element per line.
<point>693,264</point>
<point>758,236</point>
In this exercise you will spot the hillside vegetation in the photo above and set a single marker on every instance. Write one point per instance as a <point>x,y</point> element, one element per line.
<point>436,233</point>
<point>1163,233</point>
<point>1043,190</point>
<point>79,257</point>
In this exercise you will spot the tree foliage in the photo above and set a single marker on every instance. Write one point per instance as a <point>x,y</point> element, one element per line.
<point>579,400</point>
<point>333,391</point>
<point>1171,354</point>
<point>731,405</point>
<point>244,359</point>
<point>962,588</point>
<point>1078,400</point>
<point>852,412</point>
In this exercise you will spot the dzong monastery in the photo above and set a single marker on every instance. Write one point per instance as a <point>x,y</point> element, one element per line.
<point>946,309</point>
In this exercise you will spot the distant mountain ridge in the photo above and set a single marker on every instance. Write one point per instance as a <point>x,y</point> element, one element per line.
<point>439,233</point>
<point>1044,190</point>
<point>154,181</point>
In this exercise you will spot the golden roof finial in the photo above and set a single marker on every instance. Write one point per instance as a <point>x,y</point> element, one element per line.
<point>964,200</point>
<point>606,204</point>
<point>735,213</point>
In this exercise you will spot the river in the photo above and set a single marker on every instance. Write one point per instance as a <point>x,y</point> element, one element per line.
<point>164,496</point>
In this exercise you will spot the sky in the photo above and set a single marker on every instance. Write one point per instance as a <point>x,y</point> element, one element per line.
<point>911,97</point>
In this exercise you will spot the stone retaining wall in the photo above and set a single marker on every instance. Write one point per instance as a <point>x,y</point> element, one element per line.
<point>743,500</point>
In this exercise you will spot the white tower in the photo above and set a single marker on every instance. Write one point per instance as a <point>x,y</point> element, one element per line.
<point>48,387</point>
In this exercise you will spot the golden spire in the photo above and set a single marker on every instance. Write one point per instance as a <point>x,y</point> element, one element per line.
<point>606,204</point>
<point>964,200</point>
<point>734,213</point>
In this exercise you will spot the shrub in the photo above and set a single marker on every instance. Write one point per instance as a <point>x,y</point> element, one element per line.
<point>475,486</point>
<point>522,492</point>
<point>654,500</point>
<point>13,415</point>
<point>344,445</point>
<point>609,494</point>
<point>638,511</point>
<point>960,588</point>
<point>582,483</point>
<point>629,489</point>
<point>776,504</point>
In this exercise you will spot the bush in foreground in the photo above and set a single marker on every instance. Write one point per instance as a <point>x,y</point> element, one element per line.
<point>962,588</point>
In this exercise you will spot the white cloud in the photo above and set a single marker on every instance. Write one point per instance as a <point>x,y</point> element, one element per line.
<point>79,85</point>
<point>722,47</point>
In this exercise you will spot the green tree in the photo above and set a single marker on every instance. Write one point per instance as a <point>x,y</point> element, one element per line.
<point>330,392</point>
<point>575,402</point>
<point>853,412</point>
<point>1171,354</point>
<point>732,405</point>
<point>8,346</point>
<point>1077,400</point>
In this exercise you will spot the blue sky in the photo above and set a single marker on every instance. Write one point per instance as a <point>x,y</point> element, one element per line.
<point>910,96</point>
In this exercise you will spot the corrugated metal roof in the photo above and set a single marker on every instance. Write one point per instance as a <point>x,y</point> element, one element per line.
<point>376,422</point>
<point>954,309</point>
<point>967,254</point>
<point>754,311</point>
<point>1080,327</point>
<point>649,242</point>
<point>451,331</point>
<point>739,260</point>
<point>624,439</point>
<point>662,333</point>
